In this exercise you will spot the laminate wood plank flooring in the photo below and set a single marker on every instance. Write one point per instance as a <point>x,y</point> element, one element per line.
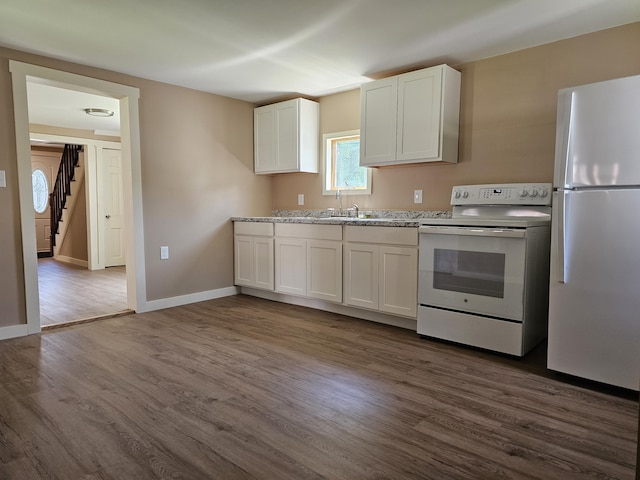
<point>70,292</point>
<point>245,388</point>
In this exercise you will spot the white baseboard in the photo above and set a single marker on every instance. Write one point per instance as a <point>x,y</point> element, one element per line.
<point>371,315</point>
<point>72,261</point>
<point>186,299</point>
<point>13,331</point>
<point>22,330</point>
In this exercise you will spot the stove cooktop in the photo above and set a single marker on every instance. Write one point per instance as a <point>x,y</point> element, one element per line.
<point>512,205</point>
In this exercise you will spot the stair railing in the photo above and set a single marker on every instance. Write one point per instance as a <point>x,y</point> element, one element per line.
<point>62,187</point>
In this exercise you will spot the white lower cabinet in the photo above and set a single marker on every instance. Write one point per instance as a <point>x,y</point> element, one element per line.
<point>324,270</point>
<point>253,255</point>
<point>291,266</point>
<point>398,281</point>
<point>375,267</point>
<point>309,260</point>
<point>361,275</point>
<point>380,276</point>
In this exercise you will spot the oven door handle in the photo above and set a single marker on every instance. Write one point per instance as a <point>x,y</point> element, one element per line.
<point>473,231</point>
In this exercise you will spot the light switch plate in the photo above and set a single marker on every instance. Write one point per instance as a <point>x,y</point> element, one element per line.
<point>301,199</point>
<point>417,196</point>
<point>3,179</point>
<point>164,253</point>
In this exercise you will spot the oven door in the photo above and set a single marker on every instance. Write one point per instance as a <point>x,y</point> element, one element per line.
<point>473,269</point>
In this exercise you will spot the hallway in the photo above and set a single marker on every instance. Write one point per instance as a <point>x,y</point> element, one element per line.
<point>70,293</point>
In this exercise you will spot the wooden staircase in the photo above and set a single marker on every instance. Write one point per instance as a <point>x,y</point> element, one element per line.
<point>62,188</point>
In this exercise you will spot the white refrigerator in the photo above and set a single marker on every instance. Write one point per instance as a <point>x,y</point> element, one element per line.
<point>594,297</point>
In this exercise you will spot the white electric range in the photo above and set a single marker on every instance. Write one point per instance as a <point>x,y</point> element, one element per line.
<point>484,273</point>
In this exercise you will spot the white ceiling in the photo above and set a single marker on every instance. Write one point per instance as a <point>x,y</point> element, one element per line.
<point>261,50</point>
<point>49,105</point>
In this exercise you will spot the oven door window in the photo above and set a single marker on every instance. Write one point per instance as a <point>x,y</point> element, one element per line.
<point>477,273</point>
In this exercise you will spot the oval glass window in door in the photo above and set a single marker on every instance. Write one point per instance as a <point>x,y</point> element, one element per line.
<point>40,190</point>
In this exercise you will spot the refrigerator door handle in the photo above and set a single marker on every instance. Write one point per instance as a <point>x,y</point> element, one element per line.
<point>563,138</point>
<point>559,241</point>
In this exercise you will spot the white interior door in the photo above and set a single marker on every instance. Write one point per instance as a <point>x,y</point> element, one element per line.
<point>113,208</point>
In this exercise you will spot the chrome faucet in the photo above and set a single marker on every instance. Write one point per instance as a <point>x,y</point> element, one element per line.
<point>356,208</point>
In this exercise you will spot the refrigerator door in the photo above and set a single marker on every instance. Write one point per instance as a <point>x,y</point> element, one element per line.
<point>594,297</point>
<point>597,140</point>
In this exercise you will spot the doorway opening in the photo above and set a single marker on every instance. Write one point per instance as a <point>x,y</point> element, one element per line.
<point>133,241</point>
<point>75,286</point>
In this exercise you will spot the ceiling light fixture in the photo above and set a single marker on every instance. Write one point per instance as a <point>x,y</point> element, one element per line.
<point>99,112</point>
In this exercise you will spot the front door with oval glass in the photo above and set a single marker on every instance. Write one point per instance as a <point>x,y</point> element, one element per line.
<point>43,168</point>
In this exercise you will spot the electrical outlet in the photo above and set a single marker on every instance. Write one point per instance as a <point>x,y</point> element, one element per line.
<point>417,196</point>
<point>164,253</point>
<point>301,199</point>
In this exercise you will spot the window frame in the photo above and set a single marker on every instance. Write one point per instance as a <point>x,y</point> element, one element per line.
<point>328,165</point>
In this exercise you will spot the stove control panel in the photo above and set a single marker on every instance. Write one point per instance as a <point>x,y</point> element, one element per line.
<point>502,194</point>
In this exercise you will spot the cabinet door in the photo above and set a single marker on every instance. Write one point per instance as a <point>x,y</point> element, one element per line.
<point>264,139</point>
<point>398,280</point>
<point>419,114</point>
<point>291,265</point>
<point>361,275</point>
<point>287,148</point>
<point>243,259</point>
<point>263,262</point>
<point>378,120</point>
<point>324,270</point>
<point>253,261</point>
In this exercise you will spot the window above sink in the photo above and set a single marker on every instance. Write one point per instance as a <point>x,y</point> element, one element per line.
<point>342,173</point>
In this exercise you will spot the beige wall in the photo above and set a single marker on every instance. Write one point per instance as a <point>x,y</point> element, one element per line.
<point>70,132</point>
<point>12,299</point>
<point>507,130</point>
<point>197,171</point>
<point>197,156</point>
<point>74,244</point>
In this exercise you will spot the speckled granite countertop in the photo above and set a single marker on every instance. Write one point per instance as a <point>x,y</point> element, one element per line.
<point>387,218</point>
<point>386,222</point>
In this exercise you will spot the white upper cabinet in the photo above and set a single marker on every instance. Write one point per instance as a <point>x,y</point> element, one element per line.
<point>378,121</point>
<point>411,118</point>
<point>286,137</point>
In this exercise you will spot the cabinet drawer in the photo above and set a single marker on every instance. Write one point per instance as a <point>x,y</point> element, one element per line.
<point>253,228</point>
<point>309,230</point>
<point>382,235</point>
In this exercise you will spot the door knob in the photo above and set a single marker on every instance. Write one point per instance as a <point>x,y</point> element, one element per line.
<point>107,216</point>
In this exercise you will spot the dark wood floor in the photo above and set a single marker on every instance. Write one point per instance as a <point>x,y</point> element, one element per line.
<point>71,293</point>
<point>244,388</point>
